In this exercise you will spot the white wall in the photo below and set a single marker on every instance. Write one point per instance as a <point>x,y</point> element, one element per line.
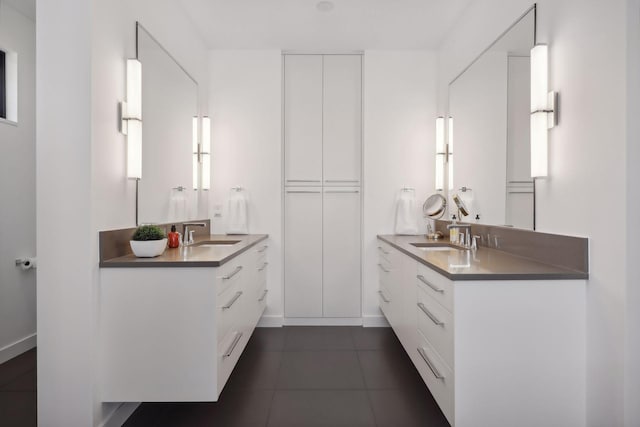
<point>399,147</point>
<point>246,115</point>
<point>588,68</point>
<point>17,192</point>
<point>82,161</point>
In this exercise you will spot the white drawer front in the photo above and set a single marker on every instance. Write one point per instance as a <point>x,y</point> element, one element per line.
<point>436,324</point>
<point>230,273</point>
<point>436,285</point>
<point>437,375</point>
<point>391,254</point>
<point>229,351</point>
<point>229,310</point>
<point>387,305</point>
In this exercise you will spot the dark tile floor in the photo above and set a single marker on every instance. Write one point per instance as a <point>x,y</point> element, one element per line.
<point>311,376</point>
<point>18,381</point>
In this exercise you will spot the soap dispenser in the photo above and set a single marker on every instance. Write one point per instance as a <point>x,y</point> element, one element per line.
<point>174,238</point>
<point>453,232</point>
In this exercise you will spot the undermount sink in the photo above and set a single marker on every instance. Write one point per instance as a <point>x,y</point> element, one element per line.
<point>437,247</point>
<point>214,243</point>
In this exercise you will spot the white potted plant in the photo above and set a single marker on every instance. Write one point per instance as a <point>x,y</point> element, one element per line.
<point>148,241</point>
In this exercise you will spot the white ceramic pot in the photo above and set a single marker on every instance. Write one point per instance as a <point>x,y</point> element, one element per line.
<point>148,248</point>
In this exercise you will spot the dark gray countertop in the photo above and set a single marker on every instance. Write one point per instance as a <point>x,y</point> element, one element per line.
<point>481,264</point>
<point>191,256</point>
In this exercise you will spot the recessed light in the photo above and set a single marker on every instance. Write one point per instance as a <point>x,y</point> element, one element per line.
<point>325,6</point>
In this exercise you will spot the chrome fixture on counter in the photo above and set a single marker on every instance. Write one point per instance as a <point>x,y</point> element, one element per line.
<point>188,234</point>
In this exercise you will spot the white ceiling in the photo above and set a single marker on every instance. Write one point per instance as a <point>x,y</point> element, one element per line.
<point>26,7</point>
<point>298,25</point>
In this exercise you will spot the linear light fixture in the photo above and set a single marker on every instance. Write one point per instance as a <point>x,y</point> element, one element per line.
<point>440,153</point>
<point>206,153</point>
<point>450,153</point>
<point>196,151</point>
<point>131,123</point>
<point>544,113</point>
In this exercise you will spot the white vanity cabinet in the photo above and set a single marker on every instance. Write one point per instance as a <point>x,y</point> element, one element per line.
<point>494,353</point>
<point>174,334</point>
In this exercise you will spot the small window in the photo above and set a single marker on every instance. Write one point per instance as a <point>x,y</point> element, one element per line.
<point>3,85</point>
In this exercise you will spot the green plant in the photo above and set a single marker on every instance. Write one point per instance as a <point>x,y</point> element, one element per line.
<point>148,232</point>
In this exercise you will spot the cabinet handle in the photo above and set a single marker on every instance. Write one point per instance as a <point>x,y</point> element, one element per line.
<point>263,266</point>
<point>383,297</point>
<point>384,269</point>
<point>264,248</point>
<point>429,363</point>
<point>304,180</point>
<point>342,192</point>
<point>233,300</point>
<point>233,345</point>
<point>381,249</point>
<point>430,315</point>
<point>431,285</point>
<point>341,180</point>
<point>303,192</point>
<point>264,295</point>
<point>236,271</point>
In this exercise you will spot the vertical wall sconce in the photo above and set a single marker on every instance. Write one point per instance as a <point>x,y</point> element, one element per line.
<point>196,151</point>
<point>543,110</point>
<point>206,153</point>
<point>440,153</point>
<point>131,113</point>
<point>450,153</point>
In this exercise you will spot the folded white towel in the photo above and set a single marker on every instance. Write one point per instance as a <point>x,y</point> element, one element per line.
<point>406,214</point>
<point>237,219</point>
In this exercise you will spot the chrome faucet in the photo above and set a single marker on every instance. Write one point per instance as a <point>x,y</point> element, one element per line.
<point>466,236</point>
<point>187,235</point>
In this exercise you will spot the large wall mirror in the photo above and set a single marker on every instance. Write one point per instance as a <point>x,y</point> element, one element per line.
<point>489,103</point>
<point>169,103</point>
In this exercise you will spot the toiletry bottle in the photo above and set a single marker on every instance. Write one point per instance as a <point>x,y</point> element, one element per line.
<point>453,233</point>
<point>174,238</point>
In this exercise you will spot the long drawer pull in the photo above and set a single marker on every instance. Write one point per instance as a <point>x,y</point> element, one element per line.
<point>236,271</point>
<point>264,248</point>
<point>383,297</point>
<point>430,315</point>
<point>233,301</point>
<point>431,285</point>
<point>341,192</point>
<point>384,269</point>
<point>341,180</point>
<point>381,249</point>
<point>303,192</point>
<point>429,363</point>
<point>233,345</point>
<point>263,266</point>
<point>264,295</point>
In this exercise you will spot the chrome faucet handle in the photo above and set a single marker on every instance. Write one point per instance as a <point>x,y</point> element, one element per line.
<point>191,236</point>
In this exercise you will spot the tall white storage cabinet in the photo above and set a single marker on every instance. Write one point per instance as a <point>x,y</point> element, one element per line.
<point>323,213</point>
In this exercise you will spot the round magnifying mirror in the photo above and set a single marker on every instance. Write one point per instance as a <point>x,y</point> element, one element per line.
<point>435,206</point>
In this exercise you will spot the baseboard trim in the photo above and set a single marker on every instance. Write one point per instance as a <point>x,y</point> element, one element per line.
<point>17,348</point>
<point>377,321</point>
<point>322,321</point>
<point>120,415</point>
<point>270,321</point>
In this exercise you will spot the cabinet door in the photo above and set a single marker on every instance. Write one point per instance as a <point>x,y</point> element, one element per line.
<point>303,252</point>
<point>342,119</point>
<point>303,119</point>
<point>341,252</point>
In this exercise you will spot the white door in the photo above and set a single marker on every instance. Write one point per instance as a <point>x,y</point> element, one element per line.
<point>341,252</point>
<point>303,119</point>
<point>342,119</point>
<point>303,252</point>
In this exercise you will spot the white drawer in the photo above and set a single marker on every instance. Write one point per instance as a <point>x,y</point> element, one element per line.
<point>229,310</point>
<point>385,271</point>
<point>261,298</point>
<point>260,252</point>
<point>437,375</point>
<point>262,267</point>
<point>388,305</point>
<point>436,323</point>
<point>231,273</point>
<point>388,252</point>
<point>229,351</point>
<point>436,285</point>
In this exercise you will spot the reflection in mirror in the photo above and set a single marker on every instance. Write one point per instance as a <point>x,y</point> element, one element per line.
<point>169,103</point>
<point>490,104</point>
